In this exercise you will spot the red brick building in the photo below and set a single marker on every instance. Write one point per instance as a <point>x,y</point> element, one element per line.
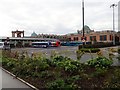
<point>94,36</point>
<point>90,36</point>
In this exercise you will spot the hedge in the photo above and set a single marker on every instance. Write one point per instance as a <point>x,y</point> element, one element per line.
<point>97,45</point>
<point>92,50</point>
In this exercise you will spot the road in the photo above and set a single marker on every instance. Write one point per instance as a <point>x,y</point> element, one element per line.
<point>69,51</point>
<point>106,52</point>
<point>65,51</point>
<point>9,82</point>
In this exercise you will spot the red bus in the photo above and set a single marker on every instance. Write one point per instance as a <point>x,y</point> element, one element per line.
<point>55,44</point>
<point>46,44</point>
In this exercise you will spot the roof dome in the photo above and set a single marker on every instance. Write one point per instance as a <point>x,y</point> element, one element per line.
<point>86,28</point>
<point>33,34</point>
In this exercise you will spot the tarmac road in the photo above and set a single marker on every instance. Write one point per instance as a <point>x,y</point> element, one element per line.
<point>69,51</point>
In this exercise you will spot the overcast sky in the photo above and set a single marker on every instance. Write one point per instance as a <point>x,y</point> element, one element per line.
<point>54,16</point>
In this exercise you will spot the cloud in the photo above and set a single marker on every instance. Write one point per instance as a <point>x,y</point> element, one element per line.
<point>53,16</point>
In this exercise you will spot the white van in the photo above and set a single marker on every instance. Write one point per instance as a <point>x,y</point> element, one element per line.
<point>1,45</point>
<point>4,46</point>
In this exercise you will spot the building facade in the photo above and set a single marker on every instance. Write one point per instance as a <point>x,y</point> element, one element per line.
<point>90,36</point>
<point>95,36</point>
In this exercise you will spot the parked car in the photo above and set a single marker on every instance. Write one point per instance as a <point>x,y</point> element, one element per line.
<point>4,45</point>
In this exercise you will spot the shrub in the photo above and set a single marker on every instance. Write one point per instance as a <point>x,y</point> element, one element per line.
<point>97,45</point>
<point>9,63</point>
<point>25,67</point>
<point>66,63</point>
<point>79,54</point>
<point>61,84</point>
<point>99,72</point>
<point>73,79</point>
<point>38,65</point>
<point>70,66</point>
<point>90,50</point>
<point>101,62</point>
<point>114,80</point>
<point>46,74</point>
<point>58,59</point>
<point>57,84</point>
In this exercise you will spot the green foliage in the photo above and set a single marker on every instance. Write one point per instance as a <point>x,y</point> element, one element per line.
<point>26,67</point>
<point>90,50</point>
<point>56,59</point>
<point>57,84</point>
<point>69,65</point>
<point>61,84</point>
<point>99,72</point>
<point>101,62</point>
<point>46,74</point>
<point>4,61</point>
<point>6,53</point>
<point>63,71</point>
<point>39,65</point>
<point>79,54</point>
<point>114,80</point>
<point>97,45</point>
<point>73,79</point>
<point>8,63</point>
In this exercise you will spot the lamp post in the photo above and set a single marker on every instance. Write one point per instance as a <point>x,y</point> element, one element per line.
<point>83,21</point>
<point>113,6</point>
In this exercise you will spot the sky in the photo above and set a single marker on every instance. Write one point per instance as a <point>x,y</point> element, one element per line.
<point>55,16</point>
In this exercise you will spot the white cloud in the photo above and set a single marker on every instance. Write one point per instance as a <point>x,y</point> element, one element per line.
<point>53,16</point>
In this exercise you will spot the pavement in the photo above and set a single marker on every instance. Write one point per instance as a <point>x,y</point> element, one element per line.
<point>9,82</point>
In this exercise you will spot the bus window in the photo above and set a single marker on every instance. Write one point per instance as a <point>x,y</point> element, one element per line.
<point>40,44</point>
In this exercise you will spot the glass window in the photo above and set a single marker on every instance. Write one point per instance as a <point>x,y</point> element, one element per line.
<point>93,38</point>
<point>103,37</point>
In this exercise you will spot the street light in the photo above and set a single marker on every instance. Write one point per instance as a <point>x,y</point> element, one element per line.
<point>113,6</point>
<point>83,21</point>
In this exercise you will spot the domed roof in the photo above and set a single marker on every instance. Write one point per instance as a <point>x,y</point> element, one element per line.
<point>86,28</point>
<point>33,34</point>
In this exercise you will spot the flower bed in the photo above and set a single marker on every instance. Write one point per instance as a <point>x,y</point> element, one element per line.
<point>62,72</point>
